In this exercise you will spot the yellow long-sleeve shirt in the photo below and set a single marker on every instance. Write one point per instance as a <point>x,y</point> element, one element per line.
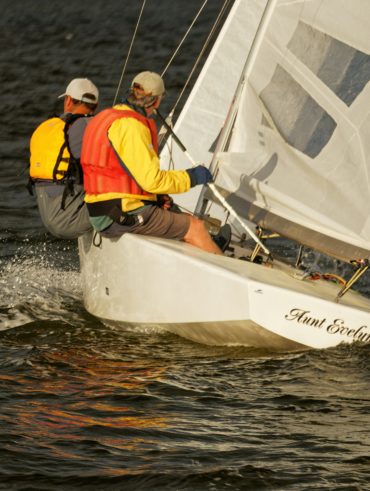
<point>132,142</point>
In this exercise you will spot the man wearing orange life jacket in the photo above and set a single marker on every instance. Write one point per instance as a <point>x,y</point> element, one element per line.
<point>55,171</point>
<point>123,181</point>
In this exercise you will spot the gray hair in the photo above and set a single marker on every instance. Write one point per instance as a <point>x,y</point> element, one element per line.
<point>140,100</point>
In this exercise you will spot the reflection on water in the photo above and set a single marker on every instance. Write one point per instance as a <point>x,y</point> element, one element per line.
<point>148,410</point>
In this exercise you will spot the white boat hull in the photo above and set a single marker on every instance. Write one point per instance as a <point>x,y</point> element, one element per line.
<point>215,300</point>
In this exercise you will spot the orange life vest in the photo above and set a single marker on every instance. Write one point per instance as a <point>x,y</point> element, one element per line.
<point>104,171</point>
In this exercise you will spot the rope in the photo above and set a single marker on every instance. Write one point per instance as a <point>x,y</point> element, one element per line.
<point>205,46</point>
<point>316,275</point>
<point>212,187</point>
<point>129,52</point>
<point>184,37</point>
<point>171,164</point>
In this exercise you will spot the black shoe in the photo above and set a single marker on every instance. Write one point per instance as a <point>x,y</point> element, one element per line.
<point>223,237</point>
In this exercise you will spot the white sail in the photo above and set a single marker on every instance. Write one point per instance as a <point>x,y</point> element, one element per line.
<point>203,115</point>
<point>298,160</point>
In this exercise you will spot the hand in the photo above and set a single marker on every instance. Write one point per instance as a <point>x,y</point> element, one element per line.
<point>199,175</point>
<point>164,201</point>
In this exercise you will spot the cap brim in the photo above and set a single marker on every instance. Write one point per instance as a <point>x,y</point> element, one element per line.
<point>61,95</point>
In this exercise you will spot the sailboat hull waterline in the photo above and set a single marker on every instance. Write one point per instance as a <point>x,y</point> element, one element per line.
<point>215,300</point>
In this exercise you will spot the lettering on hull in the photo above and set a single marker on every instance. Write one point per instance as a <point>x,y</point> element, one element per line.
<point>332,326</point>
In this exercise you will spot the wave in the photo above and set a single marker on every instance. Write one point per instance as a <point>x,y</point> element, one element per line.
<point>40,281</point>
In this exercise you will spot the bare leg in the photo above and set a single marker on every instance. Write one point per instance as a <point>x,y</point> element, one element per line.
<point>198,236</point>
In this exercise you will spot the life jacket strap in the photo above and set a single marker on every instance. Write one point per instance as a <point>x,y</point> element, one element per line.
<point>73,171</point>
<point>29,185</point>
<point>68,191</point>
<point>58,161</point>
<point>112,209</point>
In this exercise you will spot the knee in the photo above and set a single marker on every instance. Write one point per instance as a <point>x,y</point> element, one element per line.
<point>197,224</point>
<point>197,229</point>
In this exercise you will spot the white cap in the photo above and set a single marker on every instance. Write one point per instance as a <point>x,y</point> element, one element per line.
<point>150,83</point>
<point>82,89</point>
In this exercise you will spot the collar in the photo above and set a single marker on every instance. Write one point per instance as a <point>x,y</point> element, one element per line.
<point>138,109</point>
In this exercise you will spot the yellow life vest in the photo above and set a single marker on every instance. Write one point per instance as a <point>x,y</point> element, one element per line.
<point>49,150</point>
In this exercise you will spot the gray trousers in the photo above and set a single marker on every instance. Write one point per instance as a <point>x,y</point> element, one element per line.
<point>69,223</point>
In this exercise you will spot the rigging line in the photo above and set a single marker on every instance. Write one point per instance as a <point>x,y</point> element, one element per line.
<point>129,52</point>
<point>205,46</point>
<point>209,220</point>
<point>184,37</point>
<point>212,187</point>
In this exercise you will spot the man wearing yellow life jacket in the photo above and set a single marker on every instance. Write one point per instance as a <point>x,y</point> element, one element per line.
<point>126,191</point>
<point>55,169</point>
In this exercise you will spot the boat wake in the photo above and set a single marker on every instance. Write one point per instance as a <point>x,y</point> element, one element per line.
<point>40,282</point>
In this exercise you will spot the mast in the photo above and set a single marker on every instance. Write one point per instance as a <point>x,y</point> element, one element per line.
<point>231,115</point>
<point>251,58</point>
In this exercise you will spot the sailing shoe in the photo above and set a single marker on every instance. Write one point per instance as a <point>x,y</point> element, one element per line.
<point>223,237</point>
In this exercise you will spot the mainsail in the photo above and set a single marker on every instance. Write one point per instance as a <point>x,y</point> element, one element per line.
<point>203,115</point>
<point>298,158</point>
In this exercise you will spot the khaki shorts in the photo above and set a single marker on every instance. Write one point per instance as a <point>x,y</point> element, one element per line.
<point>157,223</point>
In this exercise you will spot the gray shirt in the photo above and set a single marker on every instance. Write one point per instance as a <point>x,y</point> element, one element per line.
<point>75,134</point>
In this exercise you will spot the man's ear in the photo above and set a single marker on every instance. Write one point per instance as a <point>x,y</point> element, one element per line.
<point>68,103</point>
<point>157,102</point>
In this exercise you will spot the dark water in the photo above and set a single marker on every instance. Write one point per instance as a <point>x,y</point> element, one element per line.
<point>84,406</point>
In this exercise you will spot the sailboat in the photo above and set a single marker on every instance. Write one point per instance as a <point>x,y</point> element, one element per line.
<point>281,114</point>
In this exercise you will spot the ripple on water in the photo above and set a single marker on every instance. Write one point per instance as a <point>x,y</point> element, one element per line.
<point>40,282</point>
<point>107,407</point>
